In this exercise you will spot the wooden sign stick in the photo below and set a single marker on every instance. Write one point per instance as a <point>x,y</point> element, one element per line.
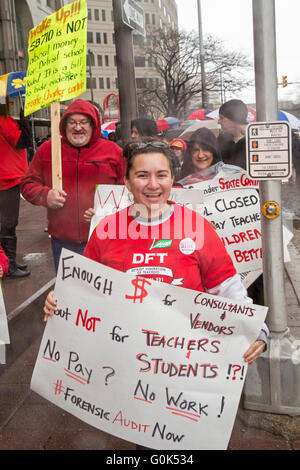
<point>56,147</point>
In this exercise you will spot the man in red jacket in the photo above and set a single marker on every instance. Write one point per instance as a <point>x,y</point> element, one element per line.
<point>87,160</point>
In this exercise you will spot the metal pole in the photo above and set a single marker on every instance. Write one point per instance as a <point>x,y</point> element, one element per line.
<point>202,60</point>
<point>126,73</point>
<point>90,74</point>
<point>267,110</point>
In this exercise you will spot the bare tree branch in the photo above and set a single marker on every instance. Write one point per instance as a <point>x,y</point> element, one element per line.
<point>176,57</point>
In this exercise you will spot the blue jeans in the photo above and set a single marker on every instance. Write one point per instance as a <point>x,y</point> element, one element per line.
<point>58,245</point>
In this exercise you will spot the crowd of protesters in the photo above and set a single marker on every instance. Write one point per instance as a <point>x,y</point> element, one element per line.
<point>89,159</point>
<point>149,165</point>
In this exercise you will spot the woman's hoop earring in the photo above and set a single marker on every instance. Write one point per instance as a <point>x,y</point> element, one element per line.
<point>130,196</point>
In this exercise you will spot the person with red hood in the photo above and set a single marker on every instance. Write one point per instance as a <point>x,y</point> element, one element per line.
<point>87,160</point>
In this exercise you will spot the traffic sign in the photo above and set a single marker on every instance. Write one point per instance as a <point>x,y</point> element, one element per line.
<point>133,16</point>
<point>269,154</point>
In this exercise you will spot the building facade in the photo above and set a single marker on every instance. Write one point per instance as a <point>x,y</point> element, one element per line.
<point>102,77</point>
<point>19,16</point>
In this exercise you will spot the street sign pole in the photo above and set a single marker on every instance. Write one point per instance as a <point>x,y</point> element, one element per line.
<point>126,73</point>
<point>267,110</point>
<point>202,59</point>
<point>273,383</point>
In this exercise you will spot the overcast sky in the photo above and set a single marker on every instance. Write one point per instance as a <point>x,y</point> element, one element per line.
<point>231,21</point>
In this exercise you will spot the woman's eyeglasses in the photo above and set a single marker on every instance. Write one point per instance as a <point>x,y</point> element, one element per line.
<point>143,145</point>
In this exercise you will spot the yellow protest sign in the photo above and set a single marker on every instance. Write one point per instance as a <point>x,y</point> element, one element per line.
<point>57,57</point>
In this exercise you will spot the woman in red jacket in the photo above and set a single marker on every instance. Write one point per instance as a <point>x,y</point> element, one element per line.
<point>130,240</point>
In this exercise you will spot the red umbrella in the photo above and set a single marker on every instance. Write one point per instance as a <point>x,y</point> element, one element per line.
<point>162,125</point>
<point>109,126</point>
<point>199,114</point>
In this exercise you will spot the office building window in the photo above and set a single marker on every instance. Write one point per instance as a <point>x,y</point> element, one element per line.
<point>138,40</point>
<point>54,4</point>
<point>105,38</point>
<point>141,83</point>
<point>106,59</point>
<point>99,58</point>
<point>139,61</point>
<point>90,59</point>
<point>88,83</point>
<point>103,15</point>
<point>96,13</point>
<point>101,83</point>
<point>108,83</point>
<point>98,38</point>
<point>90,36</point>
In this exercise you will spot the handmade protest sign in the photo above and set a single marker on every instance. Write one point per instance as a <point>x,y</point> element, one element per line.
<point>4,332</point>
<point>57,69</point>
<point>57,57</point>
<point>232,204</point>
<point>152,363</point>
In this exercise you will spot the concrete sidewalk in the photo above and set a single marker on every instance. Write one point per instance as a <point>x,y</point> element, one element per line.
<point>29,422</point>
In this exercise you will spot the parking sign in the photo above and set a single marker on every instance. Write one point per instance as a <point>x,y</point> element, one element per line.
<point>269,155</point>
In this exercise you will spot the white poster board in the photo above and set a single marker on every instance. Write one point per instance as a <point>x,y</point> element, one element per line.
<point>232,204</point>
<point>155,364</point>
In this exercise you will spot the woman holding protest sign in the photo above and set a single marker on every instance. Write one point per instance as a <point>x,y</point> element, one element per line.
<point>130,240</point>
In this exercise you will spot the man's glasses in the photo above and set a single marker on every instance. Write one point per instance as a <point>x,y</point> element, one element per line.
<point>82,123</point>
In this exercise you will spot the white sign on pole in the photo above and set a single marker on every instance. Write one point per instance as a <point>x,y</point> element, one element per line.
<point>133,16</point>
<point>155,364</point>
<point>269,153</point>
